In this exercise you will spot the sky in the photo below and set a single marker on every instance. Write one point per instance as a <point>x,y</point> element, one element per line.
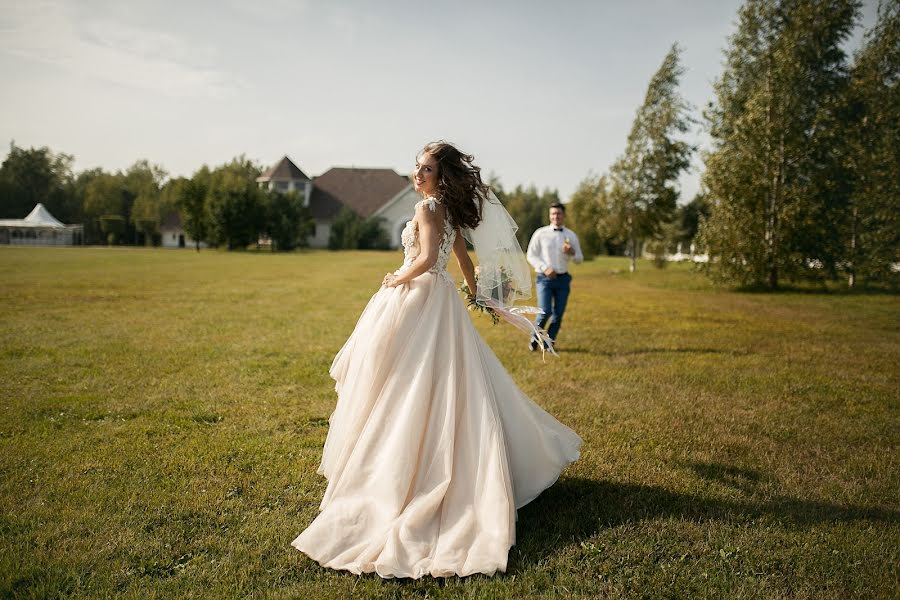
<point>542,93</point>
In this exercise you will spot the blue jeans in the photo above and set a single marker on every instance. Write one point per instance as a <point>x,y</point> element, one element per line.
<point>552,295</point>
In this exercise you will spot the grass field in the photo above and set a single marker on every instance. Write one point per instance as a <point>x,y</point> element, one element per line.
<point>162,416</point>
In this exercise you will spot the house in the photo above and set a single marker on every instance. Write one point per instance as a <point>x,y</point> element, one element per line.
<point>40,228</point>
<point>369,193</point>
<point>286,177</point>
<point>172,233</point>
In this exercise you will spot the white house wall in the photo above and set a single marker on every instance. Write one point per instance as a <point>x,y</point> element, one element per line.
<point>320,238</point>
<point>397,213</point>
<point>170,239</point>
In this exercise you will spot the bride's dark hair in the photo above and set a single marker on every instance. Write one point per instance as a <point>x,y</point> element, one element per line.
<point>460,187</point>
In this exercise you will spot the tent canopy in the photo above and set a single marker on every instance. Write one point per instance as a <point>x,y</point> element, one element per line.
<point>38,217</point>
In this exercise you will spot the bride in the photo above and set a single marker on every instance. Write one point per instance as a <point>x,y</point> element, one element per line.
<point>432,447</point>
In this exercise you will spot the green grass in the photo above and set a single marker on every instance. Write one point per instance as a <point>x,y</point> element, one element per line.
<point>162,415</point>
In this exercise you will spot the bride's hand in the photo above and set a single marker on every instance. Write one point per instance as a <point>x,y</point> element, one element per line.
<point>390,280</point>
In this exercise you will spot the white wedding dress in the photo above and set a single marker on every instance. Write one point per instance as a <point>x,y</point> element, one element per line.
<point>432,447</point>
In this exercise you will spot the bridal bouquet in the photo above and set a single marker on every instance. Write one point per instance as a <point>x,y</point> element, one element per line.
<point>472,300</point>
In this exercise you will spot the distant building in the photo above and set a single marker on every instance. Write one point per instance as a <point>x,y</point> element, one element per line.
<point>286,177</point>
<point>173,235</point>
<point>380,193</point>
<point>40,228</point>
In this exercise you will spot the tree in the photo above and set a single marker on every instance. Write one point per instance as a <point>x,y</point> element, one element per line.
<point>105,194</point>
<point>191,202</point>
<point>584,212</point>
<point>143,182</point>
<point>870,238</point>
<point>287,221</point>
<point>77,191</point>
<point>234,204</point>
<point>644,194</point>
<point>690,216</point>
<point>529,209</point>
<point>774,173</point>
<point>36,175</point>
<point>349,231</point>
<point>112,226</point>
<point>677,236</point>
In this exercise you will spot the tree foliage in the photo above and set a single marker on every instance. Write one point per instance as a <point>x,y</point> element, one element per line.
<point>287,221</point>
<point>689,218</point>
<point>106,194</point>
<point>36,175</point>
<point>191,202</point>
<point>528,207</point>
<point>349,231</point>
<point>585,211</point>
<point>644,179</point>
<point>234,205</point>
<point>870,236</point>
<point>112,226</point>
<point>143,182</point>
<point>774,175</point>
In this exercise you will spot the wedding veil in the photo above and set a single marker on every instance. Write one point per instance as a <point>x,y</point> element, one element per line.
<point>503,274</point>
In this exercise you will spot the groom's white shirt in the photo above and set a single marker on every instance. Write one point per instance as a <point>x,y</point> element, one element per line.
<point>546,249</point>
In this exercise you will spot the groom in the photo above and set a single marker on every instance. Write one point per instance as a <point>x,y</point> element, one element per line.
<point>550,250</point>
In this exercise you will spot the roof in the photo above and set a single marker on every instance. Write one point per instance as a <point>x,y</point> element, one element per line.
<point>363,191</point>
<point>285,170</point>
<point>171,221</point>
<point>38,217</point>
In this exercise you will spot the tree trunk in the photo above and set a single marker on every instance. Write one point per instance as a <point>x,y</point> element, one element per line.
<point>633,266</point>
<point>851,279</point>
<point>772,177</point>
<point>777,192</point>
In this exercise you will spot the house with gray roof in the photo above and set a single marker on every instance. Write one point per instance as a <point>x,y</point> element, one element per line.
<point>367,192</point>
<point>285,176</point>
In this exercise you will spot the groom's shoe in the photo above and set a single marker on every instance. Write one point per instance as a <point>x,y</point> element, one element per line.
<point>533,345</point>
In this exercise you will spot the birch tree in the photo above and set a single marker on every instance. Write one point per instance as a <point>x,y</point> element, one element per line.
<point>644,179</point>
<point>773,174</point>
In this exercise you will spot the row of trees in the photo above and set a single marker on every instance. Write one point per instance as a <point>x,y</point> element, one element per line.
<point>635,204</point>
<point>225,207</point>
<point>222,206</point>
<point>801,181</point>
<point>803,174</point>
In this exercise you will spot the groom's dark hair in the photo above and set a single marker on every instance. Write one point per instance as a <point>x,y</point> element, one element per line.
<point>559,205</point>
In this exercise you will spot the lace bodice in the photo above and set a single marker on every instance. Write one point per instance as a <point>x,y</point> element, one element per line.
<point>410,240</point>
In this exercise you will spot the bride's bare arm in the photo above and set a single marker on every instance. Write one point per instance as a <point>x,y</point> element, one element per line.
<point>464,261</point>
<point>429,241</point>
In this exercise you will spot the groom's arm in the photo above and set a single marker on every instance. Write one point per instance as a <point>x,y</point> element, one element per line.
<point>534,254</point>
<point>576,246</point>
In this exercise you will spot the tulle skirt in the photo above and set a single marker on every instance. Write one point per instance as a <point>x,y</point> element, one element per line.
<point>431,448</point>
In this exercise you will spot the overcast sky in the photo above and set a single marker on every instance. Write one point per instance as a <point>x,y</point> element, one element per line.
<point>540,92</point>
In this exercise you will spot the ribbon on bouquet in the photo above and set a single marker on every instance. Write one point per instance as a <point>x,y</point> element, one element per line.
<point>515,317</point>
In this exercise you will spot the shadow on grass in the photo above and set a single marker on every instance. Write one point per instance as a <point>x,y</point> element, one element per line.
<point>745,480</point>
<point>574,509</point>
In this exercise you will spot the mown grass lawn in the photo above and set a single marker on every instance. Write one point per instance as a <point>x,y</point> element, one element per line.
<point>162,415</point>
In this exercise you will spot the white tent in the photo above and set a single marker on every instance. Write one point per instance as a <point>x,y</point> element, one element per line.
<point>39,228</point>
